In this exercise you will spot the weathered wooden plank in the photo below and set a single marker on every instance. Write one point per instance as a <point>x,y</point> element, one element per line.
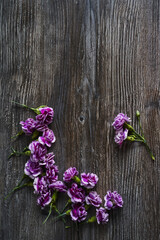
<point>90,60</point>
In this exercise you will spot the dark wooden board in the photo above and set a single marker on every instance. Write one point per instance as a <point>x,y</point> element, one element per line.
<point>89,60</point>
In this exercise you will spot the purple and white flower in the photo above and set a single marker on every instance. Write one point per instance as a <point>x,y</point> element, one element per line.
<point>52,174</point>
<point>76,194</point>
<point>78,213</point>
<point>46,116</point>
<point>89,180</point>
<point>38,151</point>
<point>120,136</point>
<point>102,216</point>
<point>40,185</point>
<point>94,199</point>
<point>44,199</point>
<point>113,200</point>
<point>48,138</point>
<point>49,160</point>
<point>32,169</point>
<point>28,126</point>
<point>59,186</point>
<point>119,121</point>
<point>69,174</point>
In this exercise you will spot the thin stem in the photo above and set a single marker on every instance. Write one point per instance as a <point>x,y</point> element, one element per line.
<point>140,126</point>
<point>65,206</point>
<point>17,188</point>
<point>149,151</point>
<point>56,209</point>
<point>50,211</point>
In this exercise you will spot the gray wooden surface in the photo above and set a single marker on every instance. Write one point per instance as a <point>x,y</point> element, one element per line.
<point>89,60</point>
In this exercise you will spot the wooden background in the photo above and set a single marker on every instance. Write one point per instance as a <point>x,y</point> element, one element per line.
<point>89,60</point>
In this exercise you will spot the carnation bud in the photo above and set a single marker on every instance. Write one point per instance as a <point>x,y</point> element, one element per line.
<point>137,114</point>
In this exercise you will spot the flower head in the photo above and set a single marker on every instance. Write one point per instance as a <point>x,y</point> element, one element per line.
<point>69,174</point>
<point>28,126</point>
<point>59,186</point>
<point>119,121</point>
<point>113,200</point>
<point>78,212</point>
<point>48,138</point>
<point>46,115</point>
<point>76,194</point>
<point>94,199</point>
<point>44,199</point>
<point>38,151</point>
<point>49,160</point>
<point>120,136</point>
<point>40,185</point>
<point>52,174</point>
<point>32,169</point>
<point>102,215</point>
<point>89,180</point>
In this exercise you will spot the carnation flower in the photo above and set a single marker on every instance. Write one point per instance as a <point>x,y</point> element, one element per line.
<point>44,199</point>
<point>41,127</point>
<point>120,136</point>
<point>40,185</point>
<point>78,213</point>
<point>49,160</point>
<point>89,180</point>
<point>46,116</point>
<point>58,185</point>
<point>94,199</point>
<point>76,194</point>
<point>102,215</point>
<point>113,200</point>
<point>32,169</point>
<point>119,121</point>
<point>52,174</point>
<point>38,151</point>
<point>28,126</point>
<point>48,138</point>
<point>69,174</point>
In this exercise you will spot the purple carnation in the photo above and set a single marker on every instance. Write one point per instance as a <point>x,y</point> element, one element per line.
<point>59,186</point>
<point>32,169</point>
<point>113,200</point>
<point>119,121</point>
<point>94,199</point>
<point>28,126</point>
<point>44,199</point>
<point>76,194</point>
<point>89,180</point>
<point>40,185</point>
<point>49,160</point>
<point>52,174</point>
<point>69,174</point>
<point>46,116</point>
<point>102,215</point>
<point>78,212</point>
<point>38,151</point>
<point>48,138</point>
<point>120,136</point>
<point>41,127</point>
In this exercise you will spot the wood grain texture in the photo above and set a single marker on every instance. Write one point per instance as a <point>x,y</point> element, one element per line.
<point>90,60</point>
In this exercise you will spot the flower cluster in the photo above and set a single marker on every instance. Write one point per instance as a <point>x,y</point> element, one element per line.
<point>124,131</point>
<point>43,175</point>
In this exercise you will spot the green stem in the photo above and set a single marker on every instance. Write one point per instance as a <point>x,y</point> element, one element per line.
<point>149,151</point>
<point>19,187</point>
<point>130,128</point>
<point>25,106</point>
<point>140,126</point>
<point>56,209</point>
<point>18,134</point>
<point>50,211</point>
<point>68,202</point>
